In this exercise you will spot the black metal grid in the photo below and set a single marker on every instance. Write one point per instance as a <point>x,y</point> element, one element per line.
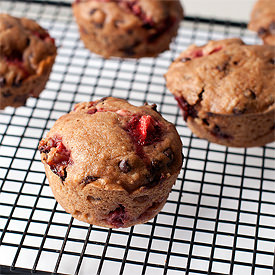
<point>220,215</point>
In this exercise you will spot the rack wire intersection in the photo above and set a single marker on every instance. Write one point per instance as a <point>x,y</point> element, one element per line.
<point>220,215</point>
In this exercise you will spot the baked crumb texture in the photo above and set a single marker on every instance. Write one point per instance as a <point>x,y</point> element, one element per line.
<point>263,20</point>
<point>225,90</point>
<point>110,163</point>
<point>27,54</point>
<point>127,28</point>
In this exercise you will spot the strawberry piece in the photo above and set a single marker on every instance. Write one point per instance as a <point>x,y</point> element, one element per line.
<point>199,52</point>
<point>117,217</point>
<point>57,156</point>
<point>218,48</point>
<point>145,128</point>
<point>43,36</point>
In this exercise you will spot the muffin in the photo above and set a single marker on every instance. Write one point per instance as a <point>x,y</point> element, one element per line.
<point>127,28</point>
<point>27,54</point>
<point>226,91</point>
<point>110,163</point>
<point>263,20</point>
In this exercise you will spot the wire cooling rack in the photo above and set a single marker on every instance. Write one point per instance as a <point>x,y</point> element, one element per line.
<point>220,215</point>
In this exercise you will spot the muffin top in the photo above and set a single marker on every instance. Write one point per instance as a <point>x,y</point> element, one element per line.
<point>154,16</point>
<point>24,45</point>
<point>225,77</point>
<point>263,20</point>
<point>113,145</point>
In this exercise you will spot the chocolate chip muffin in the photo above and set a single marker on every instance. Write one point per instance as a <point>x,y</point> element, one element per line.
<point>263,20</point>
<point>226,91</point>
<point>127,28</point>
<point>110,163</point>
<point>27,54</point>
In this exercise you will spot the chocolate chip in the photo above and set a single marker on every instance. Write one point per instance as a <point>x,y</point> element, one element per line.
<point>59,170</point>
<point>272,61</point>
<point>129,50</point>
<point>92,11</point>
<point>235,62</point>
<point>200,96</point>
<point>216,131</point>
<point>17,82</point>
<point>155,164</point>
<point>64,176</point>
<point>222,67</point>
<point>98,25</point>
<point>262,31</point>
<point>130,31</point>
<point>169,153</point>
<point>91,198</point>
<point>249,94</point>
<point>154,107</point>
<point>205,121</point>
<point>2,81</point>
<point>102,100</point>
<point>28,42</point>
<point>6,94</point>
<point>124,166</point>
<point>185,59</point>
<point>147,26</point>
<point>89,179</point>
<point>154,180</point>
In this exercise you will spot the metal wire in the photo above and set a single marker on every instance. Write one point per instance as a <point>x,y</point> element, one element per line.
<point>220,215</point>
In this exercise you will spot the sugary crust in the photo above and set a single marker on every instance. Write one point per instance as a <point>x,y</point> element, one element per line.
<point>26,58</point>
<point>226,89</point>
<point>263,20</point>
<point>103,162</point>
<point>129,29</point>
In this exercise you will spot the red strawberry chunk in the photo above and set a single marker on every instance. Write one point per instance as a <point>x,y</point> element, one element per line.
<point>117,217</point>
<point>215,50</point>
<point>57,156</point>
<point>197,53</point>
<point>145,127</point>
<point>144,130</point>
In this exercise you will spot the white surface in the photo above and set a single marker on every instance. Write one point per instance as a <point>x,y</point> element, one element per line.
<point>238,200</point>
<point>238,10</point>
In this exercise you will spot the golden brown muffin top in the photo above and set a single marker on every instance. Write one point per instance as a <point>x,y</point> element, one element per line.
<point>225,77</point>
<point>24,45</point>
<point>263,20</point>
<point>152,15</point>
<point>112,144</point>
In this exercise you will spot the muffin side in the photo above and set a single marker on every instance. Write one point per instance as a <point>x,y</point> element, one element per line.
<point>225,91</point>
<point>263,20</point>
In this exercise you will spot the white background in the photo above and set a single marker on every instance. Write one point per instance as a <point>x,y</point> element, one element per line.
<point>238,10</point>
